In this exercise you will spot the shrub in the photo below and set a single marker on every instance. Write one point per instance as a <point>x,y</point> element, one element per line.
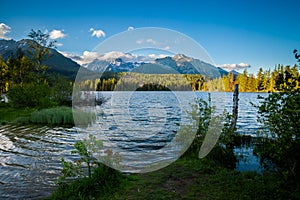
<point>30,95</point>
<point>280,138</point>
<point>100,180</point>
<point>222,153</point>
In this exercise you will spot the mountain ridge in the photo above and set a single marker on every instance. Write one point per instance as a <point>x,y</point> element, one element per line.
<point>179,63</point>
<point>58,63</point>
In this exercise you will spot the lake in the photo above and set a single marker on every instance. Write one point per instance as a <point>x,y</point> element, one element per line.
<point>30,156</point>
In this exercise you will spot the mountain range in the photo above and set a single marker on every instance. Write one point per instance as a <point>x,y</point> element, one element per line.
<point>65,66</point>
<point>178,64</point>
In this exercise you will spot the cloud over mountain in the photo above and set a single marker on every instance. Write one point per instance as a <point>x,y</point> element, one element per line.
<point>85,58</point>
<point>239,66</point>
<point>4,29</point>
<point>89,56</point>
<point>130,28</point>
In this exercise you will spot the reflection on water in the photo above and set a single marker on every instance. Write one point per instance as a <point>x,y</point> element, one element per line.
<point>30,156</point>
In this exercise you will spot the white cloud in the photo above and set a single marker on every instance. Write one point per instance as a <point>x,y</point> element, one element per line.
<point>149,41</point>
<point>58,44</point>
<point>89,56</point>
<point>86,57</point>
<point>130,28</point>
<point>154,56</point>
<point>116,54</point>
<point>162,56</point>
<point>97,33</point>
<point>56,34</point>
<point>140,41</point>
<point>239,66</point>
<point>167,48</point>
<point>4,29</point>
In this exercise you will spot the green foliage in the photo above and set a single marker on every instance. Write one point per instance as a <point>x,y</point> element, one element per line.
<point>279,113</point>
<point>3,76</point>
<point>222,152</point>
<point>69,170</point>
<point>41,95</point>
<point>30,95</point>
<point>24,78</point>
<point>131,81</point>
<point>152,87</point>
<point>10,114</point>
<point>20,70</point>
<point>203,113</point>
<point>103,182</point>
<point>61,90</point>
<point>264,81</point>
<point>100,179</point>
<point>85,150</point>
<point>280,136</point>
<point>189,178</point>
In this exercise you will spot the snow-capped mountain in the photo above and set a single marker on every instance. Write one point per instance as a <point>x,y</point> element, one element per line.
<point>179,63</point>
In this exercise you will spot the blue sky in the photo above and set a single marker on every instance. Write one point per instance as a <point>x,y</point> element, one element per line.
<point>258,33</point>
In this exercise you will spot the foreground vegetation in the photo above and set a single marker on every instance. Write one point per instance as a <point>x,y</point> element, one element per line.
<point>187,178</point>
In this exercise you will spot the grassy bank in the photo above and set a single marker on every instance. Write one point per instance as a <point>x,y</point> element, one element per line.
<point>12,115</point>
<point>184,179</point>
<point>198,179</point>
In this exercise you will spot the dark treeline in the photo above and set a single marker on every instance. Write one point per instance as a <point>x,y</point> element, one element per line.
<point>263,81</point>
<point>145,82</point>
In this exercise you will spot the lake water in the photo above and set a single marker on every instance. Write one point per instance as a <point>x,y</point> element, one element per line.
<point>30,156</point>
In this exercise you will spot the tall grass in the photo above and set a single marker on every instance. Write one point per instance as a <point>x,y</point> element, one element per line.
<point>53,116</point>
<point>61,116</point>
<point>83,118</point>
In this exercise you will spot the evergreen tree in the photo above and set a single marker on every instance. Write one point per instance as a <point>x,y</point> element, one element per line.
<point>242,80</point>
<point>260,80</point>
<point>266,81</point>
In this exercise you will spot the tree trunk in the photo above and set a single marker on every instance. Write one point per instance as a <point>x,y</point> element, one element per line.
<point>235,107</point>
